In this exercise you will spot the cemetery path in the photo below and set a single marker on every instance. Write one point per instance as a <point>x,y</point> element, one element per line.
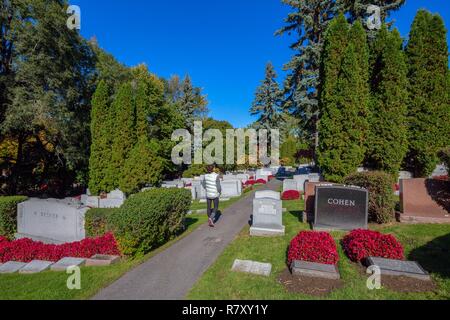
<point>171,274</point>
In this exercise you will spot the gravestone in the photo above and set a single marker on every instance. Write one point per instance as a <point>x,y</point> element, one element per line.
<point>117,194</point>
<point>252,267</point>
<point>231,188</point>
<point>315,270</point>
<point>267,194</point>
<point>424,201</point>
<point>11,267</point>
<point>50,221</point>
<point>92,202</point>
<point>341,208</point>
<point>314,177</point>
<point>405,175</point>
<point>301,180</point>
<point>36,266</point>
<point>267,218</point>
<point>200,192</point>
<point>243,177</point>
<point>68,262</point>
<point>110,203</point>
<point>290,185</point>
<point>391,267</point>
<point>440,171</point>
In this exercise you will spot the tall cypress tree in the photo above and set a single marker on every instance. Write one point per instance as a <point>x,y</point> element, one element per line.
<point>267,103</point>
<point>100,146</point>
<point>388,141</point>
<point>124,133</point>
<point>429,107</point>
<point>344,106</point>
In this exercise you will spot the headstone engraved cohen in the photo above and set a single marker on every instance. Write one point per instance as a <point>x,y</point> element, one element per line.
<point>341,208</point>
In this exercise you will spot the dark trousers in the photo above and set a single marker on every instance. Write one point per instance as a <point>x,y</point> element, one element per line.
<point>212,212</point>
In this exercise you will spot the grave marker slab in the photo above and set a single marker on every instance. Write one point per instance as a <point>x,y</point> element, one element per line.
<point>231,188</point>
<point>315,270</point>
<point>267,218</point>
<point>301,180</point>
<point>111,203</point>
<point>50,221</point>
<point>389,267</point>
<point>36,266</point>
<point>341,208</point>
<point>65,263</point>
<point>11,267</point>
<point>267,194</point>
<point>290,185</point>
<point>252,267</point>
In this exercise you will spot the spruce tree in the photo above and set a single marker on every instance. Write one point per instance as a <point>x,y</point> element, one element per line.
<point>429,106</point>
<point>309,20</point>
<point>267,103</point>
<point>124,133</point>
<point>388,141</point>
<point>343,125</point>
<point>101,141</point>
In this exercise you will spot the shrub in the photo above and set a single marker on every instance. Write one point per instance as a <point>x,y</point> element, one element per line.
<point>96,221</point>
<point>8,215</point>
<point>27,250</point>
<point>194,171</point>
<point>381,194</point>
<point>149,219</point>
<point>290,195</point>
<point>261,181</point>
<point>361,244</point>
<point>313,246</point>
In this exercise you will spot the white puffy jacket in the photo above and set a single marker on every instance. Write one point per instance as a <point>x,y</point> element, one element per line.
<point>211,183</point>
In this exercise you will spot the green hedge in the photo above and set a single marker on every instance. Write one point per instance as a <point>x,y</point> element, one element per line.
<point>381,194</point>
<point>149,219</point>
<point>8,215</point>
<point>96,222</point>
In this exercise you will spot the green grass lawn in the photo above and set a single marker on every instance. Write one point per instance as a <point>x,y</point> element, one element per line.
<point>428,244</point>
<point>52,285</point>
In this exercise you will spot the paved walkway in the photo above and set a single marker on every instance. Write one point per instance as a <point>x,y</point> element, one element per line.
<point>171,274</point>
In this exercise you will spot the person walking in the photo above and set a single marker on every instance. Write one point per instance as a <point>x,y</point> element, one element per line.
<point>211,183</point>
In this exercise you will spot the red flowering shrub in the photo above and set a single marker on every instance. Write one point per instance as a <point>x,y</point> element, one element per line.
<point>361,244</point>
<point>261,181</point>
<point>271,178</point>
<point>250,183</point>
<point>27,250</point>
<point>313,246</point>
<point>290,195</point>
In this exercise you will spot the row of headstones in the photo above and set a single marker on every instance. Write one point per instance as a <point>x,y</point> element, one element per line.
<point>337,208</point>
<point>37,266</point>
<point>298,182</point>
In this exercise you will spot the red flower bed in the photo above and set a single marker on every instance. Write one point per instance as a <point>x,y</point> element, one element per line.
<point>290,195</point>
<point>250,183</point>
<point>261,181</point>
<point>313,246</point>
<point>442,178</point>
<point>361,244</point>
<point>271,178</point>
<point>27,250</point>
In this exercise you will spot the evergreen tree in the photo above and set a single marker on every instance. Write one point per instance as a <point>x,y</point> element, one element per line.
<point>309,20</point>
<point>357,9</point>
<point>388,141</point>
<point>124,134</point>
<point>188,100</point>
<point>429,106</point>
<point>101,140</point>
<point>343,125</point>
<point>143,167</point>
<point>267,103</point>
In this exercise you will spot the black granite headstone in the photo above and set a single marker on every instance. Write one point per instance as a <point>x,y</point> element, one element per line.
<point>341,208</point>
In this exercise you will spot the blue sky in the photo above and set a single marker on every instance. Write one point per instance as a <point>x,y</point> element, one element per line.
<point>223,45</point>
